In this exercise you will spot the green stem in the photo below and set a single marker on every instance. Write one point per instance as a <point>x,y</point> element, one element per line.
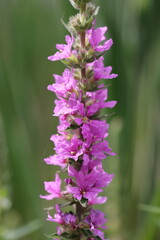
<point>83,39</point>
<point>78,211</point>
<point>79,215</point>
<point>83,43</point>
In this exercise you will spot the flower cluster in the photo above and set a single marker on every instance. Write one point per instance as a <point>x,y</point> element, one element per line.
<point>80,144</point>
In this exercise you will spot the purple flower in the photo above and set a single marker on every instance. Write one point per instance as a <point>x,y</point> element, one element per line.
<point>69,181</point>
<point>95,150</point>
<point>64,122</point>
<point>62,218</point>
<point>100,149</point>
<point>66,107</point>
<point>98,200</point>
<point>99,98</point>
<point>64,85</point>
<point>96,220</point>
<point>53,188</point>
<point>83,113</point>
<point>88,185</point>
<point>66,149</point>
<point>96,36</point>
<point>56,160</point>
<point>67,221</point>
<point>101,72</point>
<point>93,105</point>
<point>96,128</point>
<point>64,50</point>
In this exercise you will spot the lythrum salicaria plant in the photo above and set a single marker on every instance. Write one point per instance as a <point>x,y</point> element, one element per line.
<point>80,144</point>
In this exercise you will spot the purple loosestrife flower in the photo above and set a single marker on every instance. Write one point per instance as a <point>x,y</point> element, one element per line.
<point>98,200</point>
<point>99,97</point>
<point>88,185</point>
<point>80,145</point>
<point>64,107</point>
<point>67,221</point>
<point>100,71</point>
<point>96,150</point>
<point>53,188</point>
<point>64,50</point>
<point>56,160</point>
<point>96,36</point>
<point>64,85</point>
<point>95,103</point>
<point>96,220</point>
<point>96,128</point>
<point>68,148</point>
<point>62,218</point>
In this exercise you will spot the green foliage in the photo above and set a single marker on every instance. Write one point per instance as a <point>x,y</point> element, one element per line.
<point>21,232</point>
<point>63,236</point>
<point>83,202</point>
<point>149,209</point>
<point>87,233</point>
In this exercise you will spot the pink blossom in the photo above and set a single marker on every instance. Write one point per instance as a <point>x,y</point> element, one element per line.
<point>64,49</point>
<point>64,84</point>
<point>96,220</point>
<point>62,218</point>
<point>90,184</point>
<point>100,149</point>
<point>101,72</point>
<point>69,106</point>
<point>96,36</point>
<point>98,200</point>
<point>53,188</point>
<point>97,128</point>
<point>99,97</point>
<point>56,160</point>
<point>66,149</point>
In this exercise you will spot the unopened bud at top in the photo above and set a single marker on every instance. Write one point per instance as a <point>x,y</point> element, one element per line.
<point>78,4</point>
<point>83,21</point>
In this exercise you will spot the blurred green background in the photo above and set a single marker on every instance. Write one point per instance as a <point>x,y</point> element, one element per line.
<point>29,31</point>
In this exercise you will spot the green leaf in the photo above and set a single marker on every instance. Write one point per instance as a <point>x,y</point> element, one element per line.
<point>68,236</point>
<point>53,235</point>
<point>23,231</point>
<point>63,236</point>
<point>149,208</point>
<point>73,127</point>
<point>87,233</point>
<point>83,202</point>
<point>66,204</point>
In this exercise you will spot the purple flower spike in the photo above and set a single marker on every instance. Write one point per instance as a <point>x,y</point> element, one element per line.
<point>80,146</point>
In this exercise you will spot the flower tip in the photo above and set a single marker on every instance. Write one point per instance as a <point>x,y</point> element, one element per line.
<point>53,57</point>
<point>41,196</point>
<point>50,58</point>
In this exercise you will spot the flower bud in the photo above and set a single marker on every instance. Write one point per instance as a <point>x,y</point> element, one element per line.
<point>83,21</point>
<point>79,3</point>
